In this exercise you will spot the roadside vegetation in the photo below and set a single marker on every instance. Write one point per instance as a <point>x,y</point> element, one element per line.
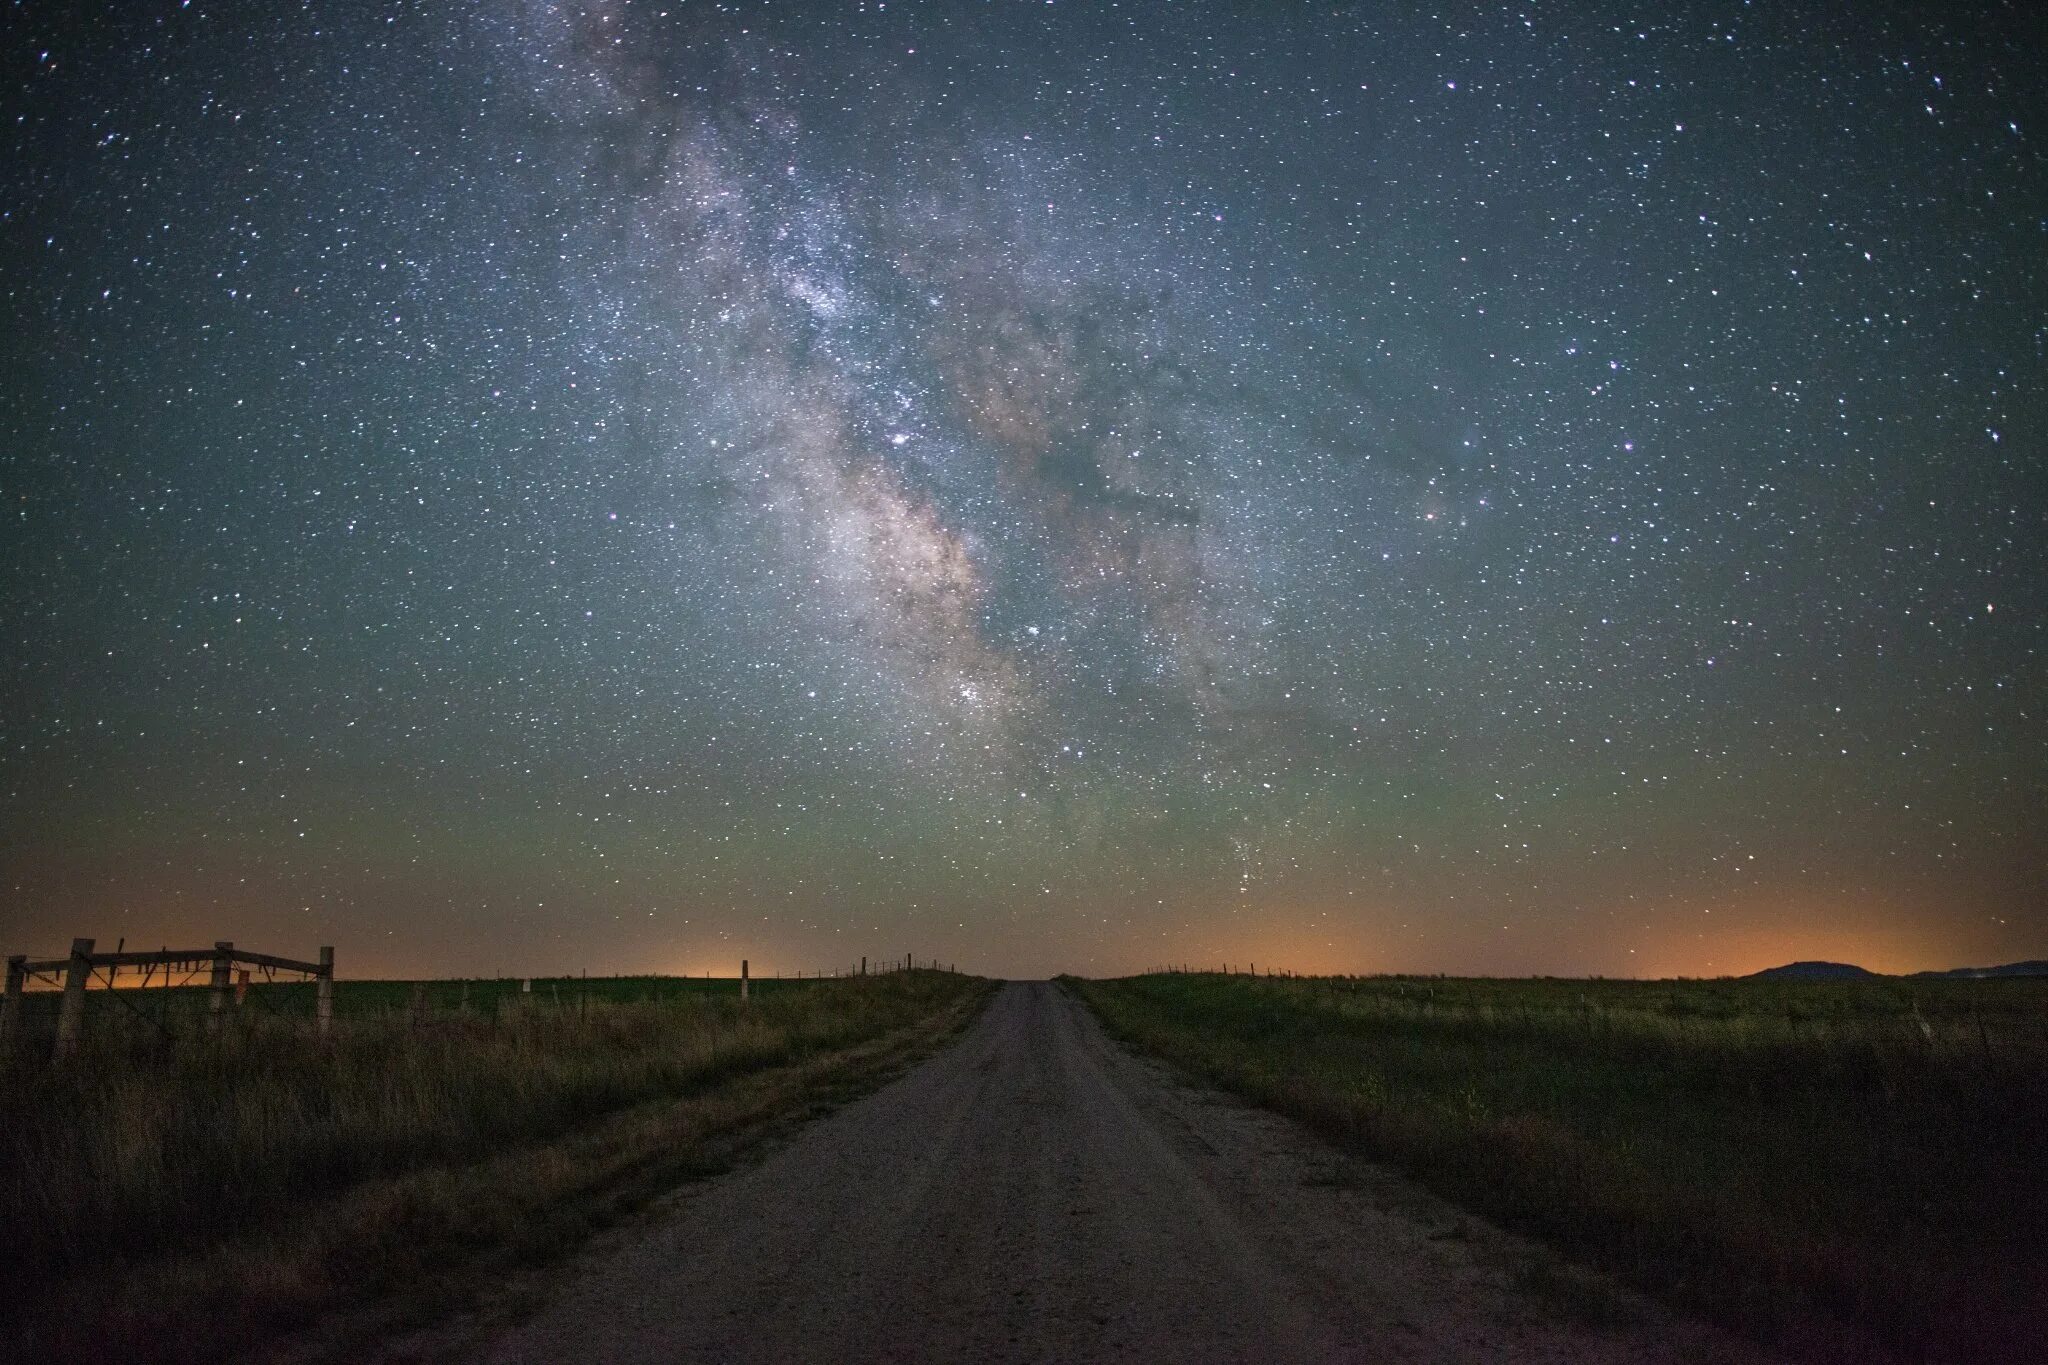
<point>179,1196</point>
<point>1849,1171</point>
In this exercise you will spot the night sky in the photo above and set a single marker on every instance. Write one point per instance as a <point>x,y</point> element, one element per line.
<point>527,487</point>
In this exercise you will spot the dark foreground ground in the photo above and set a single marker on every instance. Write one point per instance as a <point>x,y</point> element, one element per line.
<point>177,1194</point>
<point>1850,1171</point>
<point>1036,1194</point>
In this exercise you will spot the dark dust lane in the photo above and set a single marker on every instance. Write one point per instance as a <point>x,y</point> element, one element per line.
<point>1035,1194</point>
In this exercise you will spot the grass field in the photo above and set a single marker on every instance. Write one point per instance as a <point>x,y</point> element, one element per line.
<point>182,1008</point>
<point>1847,1170</point>
<point>179,1195</point>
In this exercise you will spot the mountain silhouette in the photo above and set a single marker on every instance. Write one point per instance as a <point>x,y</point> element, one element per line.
<point>1814,971</point>
<point>1848,971</point>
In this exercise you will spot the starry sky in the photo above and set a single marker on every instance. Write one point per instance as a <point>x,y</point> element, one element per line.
<point>521,486</point>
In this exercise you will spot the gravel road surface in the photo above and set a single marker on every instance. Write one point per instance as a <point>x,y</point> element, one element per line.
<point>1035,1193</point>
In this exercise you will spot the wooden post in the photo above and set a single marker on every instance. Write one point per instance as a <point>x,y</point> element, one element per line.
<point>863,972</point>
<point>323,994</point>
<point>10,1004</point>
<point>241,986</point>
<point>419,1003</point>
<point>743,978</point>
<point>217,998</point>
<point>71,1016</point>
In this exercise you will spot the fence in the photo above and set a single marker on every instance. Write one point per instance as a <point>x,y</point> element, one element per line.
<point>202,989</point>
<point>219,962</point>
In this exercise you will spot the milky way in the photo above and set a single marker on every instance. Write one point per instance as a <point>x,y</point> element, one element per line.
<point>1531,489</point>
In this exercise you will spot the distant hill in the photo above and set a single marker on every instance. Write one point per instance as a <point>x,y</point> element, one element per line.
<point>1814,971</point>
<point>1848,971</point>
<point>2035,968</point>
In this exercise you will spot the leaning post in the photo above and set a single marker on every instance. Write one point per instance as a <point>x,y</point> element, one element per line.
<point>217,998</point>
<point>10,1004</point>
<point>71,1014</point>
<point>323,994</point>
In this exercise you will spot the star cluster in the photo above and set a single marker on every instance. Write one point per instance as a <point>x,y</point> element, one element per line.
<point>1529,488</point>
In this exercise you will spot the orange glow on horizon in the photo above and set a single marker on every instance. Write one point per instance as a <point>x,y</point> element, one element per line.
<point>1768,929</point>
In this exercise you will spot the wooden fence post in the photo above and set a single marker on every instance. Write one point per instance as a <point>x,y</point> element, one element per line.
<point>10,1004</point>
<point>863,968</point>
<point>71,1015</point>
<point>743,978</point>
<point>323,994</point>
<point>217,999</point>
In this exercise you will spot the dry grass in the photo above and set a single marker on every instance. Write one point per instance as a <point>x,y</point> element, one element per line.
<point>1850,1171</point>
<point>187,1199</point>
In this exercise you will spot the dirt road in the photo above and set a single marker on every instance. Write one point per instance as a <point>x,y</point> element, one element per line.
<point>1035,1194</point>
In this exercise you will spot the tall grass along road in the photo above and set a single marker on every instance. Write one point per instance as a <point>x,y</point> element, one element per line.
<point>1850,1171</point>
<point>1035,1193</point>
<point>181,1197</point>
